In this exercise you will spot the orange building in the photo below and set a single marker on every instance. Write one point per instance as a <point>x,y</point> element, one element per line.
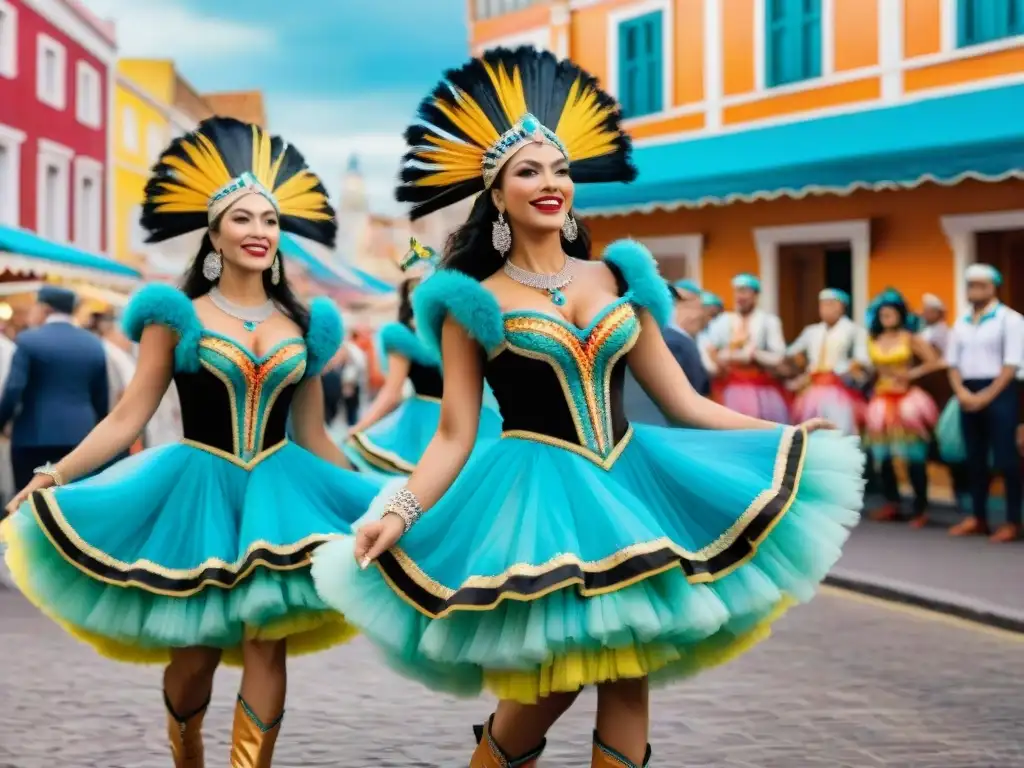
<point>853,144</point>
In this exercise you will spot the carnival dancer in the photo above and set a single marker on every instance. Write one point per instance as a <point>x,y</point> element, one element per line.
<point>390,438</point>
<point>838,365</point>
<point>198,551</point>
<point>745,345</point>
<point>900,416</point>
<point>985,353</point>
<point>578,549</point>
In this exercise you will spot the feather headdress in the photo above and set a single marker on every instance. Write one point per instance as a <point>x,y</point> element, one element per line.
<point>203,173</point>
<point>482,113</point>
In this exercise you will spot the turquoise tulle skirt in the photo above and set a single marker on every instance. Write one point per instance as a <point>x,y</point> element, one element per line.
<point>543,570</point>
<point>394,445</point>
<point>177,546</point>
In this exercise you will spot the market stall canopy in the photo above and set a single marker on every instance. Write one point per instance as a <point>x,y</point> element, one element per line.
<point>334,275</point>
<point>25,253</point>
<point>976,135</point>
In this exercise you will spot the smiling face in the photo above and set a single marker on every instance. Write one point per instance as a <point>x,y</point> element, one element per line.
<point>248,233</point>
<point>535,191</point>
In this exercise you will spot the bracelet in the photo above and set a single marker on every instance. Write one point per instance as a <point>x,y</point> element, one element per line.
<point>51,471</point>
<point>406,506</point>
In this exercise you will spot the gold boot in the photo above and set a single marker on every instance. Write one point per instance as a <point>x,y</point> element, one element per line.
<point>252,741</point>
<point>606,757</point>
<point>489,755</point>
<point>185,735</point>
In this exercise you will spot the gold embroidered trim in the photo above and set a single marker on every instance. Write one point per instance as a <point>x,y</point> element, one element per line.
<point>604,462</point>
<point>705,553</point>
<point>389,461</point>
<point>237,460</point>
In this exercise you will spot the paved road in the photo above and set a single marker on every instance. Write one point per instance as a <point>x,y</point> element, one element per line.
<point>845,682</point>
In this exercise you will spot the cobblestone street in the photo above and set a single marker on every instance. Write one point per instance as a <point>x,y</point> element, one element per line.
<point>844,682</point>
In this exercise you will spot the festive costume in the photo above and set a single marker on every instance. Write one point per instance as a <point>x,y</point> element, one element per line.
<point>747,346</point>
<point>900,417</point>
<point>579,548</point>
<point>204,542</point>
<point>393,445</point>
<point>834,354</point>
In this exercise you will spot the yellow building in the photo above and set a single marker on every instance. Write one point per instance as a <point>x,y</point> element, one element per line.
<point>854,144</point>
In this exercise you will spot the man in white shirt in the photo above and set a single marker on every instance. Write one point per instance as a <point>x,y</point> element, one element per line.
<point>985,351</point>
<point>745,345</point>
<point>935,331</point>
<point>836,352</point>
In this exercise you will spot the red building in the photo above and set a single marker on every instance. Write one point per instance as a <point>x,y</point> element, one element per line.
<point>57,64</point>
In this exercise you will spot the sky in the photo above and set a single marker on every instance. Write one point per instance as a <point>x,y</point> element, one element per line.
<point>341,77</point>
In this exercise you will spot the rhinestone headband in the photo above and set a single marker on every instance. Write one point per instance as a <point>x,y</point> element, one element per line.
<point>246,184</point>
<point>528,130</point>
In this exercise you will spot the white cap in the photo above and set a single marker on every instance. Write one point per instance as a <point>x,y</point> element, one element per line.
<point>983,273</point>
<point>932,301</point>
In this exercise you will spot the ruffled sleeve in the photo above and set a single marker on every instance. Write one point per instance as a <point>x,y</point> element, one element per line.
<point>324,336</point>
<point>396,338</point>
<point>450,292</point>
<point>639,270</point>
<point>163,305</point>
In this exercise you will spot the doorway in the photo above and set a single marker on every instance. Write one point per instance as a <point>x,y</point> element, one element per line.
<point>804,271</point>
<point>1004,250</point>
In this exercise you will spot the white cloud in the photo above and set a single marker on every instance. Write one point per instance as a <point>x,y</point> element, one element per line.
<point>165,30</point>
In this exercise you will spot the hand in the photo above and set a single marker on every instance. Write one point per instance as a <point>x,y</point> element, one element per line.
<point>39,482</point>
<point>971,402</point>
<point>813,425</point>
<point>376,538</point>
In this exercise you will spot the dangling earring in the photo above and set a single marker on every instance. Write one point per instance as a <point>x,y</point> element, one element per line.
<point>569,229</point>
<point>212,266</point>
<point>501,235</point>
<point>275,271</point>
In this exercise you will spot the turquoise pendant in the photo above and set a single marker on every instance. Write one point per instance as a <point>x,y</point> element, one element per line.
<point>250,325</point>
<point>557,297</point>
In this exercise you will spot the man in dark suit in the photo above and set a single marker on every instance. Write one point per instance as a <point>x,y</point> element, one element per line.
<point>687,318</point>
<point>57,390</point>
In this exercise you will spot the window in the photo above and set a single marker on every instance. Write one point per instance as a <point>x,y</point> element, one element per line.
<point>88,96</point>
<point>53,191</point>
<point>982,21</point>
<point>50,77</point>
<point>156,141</point>
<point>130,129</point>
<point>8,40</point>
<point>793,45</point>
<point>88,204</point>
<point>641,65</point>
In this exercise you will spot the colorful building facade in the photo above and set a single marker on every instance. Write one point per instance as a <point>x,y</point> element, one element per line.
<point>56,73</point>
<point>854,144</point>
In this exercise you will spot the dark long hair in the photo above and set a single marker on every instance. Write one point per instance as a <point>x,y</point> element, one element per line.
<point>469,248</point>
<point>405,300</point>
<point>891,298</point>
<point>194,284</point>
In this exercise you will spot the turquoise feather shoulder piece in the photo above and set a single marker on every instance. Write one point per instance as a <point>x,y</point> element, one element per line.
<point>324,336</point>
<point>163,305</point>
<point>398,339</point>
<point>450,292</point>
<point>640,271</point>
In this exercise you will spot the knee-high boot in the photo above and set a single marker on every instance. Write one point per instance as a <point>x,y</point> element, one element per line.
<point>606,757</point>
<point>185,735</point>
<point>252,740</point>
<point>489,755</point>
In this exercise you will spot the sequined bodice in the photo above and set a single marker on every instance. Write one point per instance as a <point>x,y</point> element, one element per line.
<point>554,380</point>
<point>236,402</point>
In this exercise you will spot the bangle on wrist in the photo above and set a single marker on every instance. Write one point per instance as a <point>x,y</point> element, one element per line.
<point>406,506</point>
<point>51,472</point>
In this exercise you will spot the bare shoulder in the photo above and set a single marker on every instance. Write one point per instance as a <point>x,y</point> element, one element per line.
<point>596,273</point>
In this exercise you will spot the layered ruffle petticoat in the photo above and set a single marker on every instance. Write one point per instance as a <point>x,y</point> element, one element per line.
<point>544,569</point>
<point>900,424</point>
<point>182,546</point>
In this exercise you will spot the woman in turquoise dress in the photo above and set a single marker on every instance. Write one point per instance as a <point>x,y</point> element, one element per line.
<point>579,549</point>
<point>198,551</point>
<point>393,434</point>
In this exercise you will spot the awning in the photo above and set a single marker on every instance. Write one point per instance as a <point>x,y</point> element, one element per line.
<point>336,275</point>
<point>24,252</point>
<point>978,135</point>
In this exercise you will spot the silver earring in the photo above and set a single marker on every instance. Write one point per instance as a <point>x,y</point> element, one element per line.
<point>275,271</point>
<point>569,229</point>
<point>501,235</point>
<point>212,266</point>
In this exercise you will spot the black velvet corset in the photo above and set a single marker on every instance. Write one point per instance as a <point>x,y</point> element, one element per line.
<point>555,380</point>
<point>238,403</point>
<point>426,379</point>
